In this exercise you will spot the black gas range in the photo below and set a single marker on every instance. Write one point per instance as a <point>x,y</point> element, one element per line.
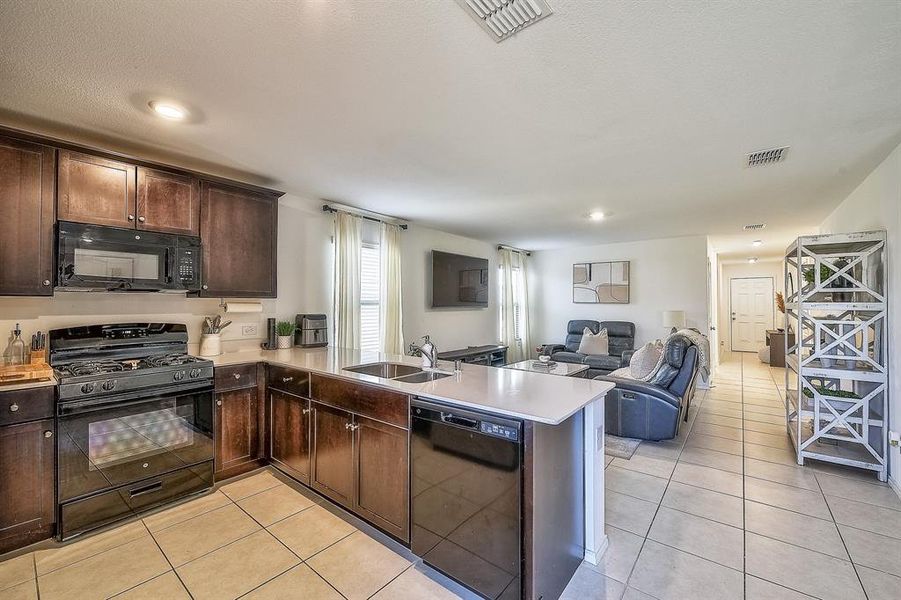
<point>134,419</point>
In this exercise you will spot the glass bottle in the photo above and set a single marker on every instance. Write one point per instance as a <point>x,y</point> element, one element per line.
<point>15,351</point>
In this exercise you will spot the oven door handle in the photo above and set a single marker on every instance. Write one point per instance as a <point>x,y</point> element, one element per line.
<point>128,399</point>
<point>145,489</point>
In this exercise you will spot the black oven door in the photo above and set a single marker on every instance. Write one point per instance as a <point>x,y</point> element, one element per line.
<point>109,443</point>
<point>108,258</point>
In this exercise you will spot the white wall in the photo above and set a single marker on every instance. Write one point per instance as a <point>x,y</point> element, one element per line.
<point>666,274</point>
<point>451,328</point>
<point>304,285</point>
<point>734,270</point>
<point>876,204</point>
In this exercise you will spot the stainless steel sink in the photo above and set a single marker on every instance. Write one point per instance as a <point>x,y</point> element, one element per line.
<point>386,370</point>
<point>422,377</point>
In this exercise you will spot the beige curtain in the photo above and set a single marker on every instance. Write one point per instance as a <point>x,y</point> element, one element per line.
<point>348,242</point>
<point>390,313</point>
<point>514,304</point>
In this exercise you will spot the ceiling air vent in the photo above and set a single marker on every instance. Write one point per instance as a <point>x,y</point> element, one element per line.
<point>755,227</point>
<point>503,18</point>
<point>767,157</point>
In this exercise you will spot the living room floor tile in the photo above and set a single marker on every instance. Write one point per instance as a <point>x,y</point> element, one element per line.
<point>649,465</point>
<point>699,440</point>
<point>871,493</point>
<point>793,527</point>
<point>622,552</point>
<point>709,478</point>
<point>712,458</point>
<point>873,550</point>
<point>785,474</point>
<point>633,483</point>
<point>670,574</point>
<point>868,517</point>
<point>702,537</point>
<point>759,589</point>
<point>628,513</point>
<point>879,585</point>
<point>704,503</point>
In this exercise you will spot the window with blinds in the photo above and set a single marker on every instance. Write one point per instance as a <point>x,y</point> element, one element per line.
<point>517,303</point>
<point>370,286</point>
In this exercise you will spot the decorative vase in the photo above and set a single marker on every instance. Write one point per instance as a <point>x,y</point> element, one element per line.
<point>211,344</point>
<point>284,342</point>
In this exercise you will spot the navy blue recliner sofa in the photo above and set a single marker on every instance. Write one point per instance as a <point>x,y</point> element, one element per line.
<point>620,340</point>
<point>654,410</point>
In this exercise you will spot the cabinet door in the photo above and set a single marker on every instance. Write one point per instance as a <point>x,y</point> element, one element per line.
<point>26,213</point>
<point>290,441</point>
<point>238,229</point>
<point>237,429</point>
<point>96,190</point>
<point>333,454</point>
<point>382,457</point>
<point>27,504</point>
<point>168,202</point>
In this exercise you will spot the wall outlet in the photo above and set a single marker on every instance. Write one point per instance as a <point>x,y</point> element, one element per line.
<point>251,330</point>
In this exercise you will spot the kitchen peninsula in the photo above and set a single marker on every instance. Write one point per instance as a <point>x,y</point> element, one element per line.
<point>350,437</point>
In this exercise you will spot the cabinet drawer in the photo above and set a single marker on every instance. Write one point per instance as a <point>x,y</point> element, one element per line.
<point>235,377</point>
<point>292,381</point>
<point>22,406</point>
<point>376,403</point>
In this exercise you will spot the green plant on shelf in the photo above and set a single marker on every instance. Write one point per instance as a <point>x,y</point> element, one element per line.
<point>831,393</point>
<point>825,273</point>
<point>284,328</point>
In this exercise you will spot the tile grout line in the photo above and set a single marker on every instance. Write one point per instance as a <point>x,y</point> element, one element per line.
<point>177,576</point>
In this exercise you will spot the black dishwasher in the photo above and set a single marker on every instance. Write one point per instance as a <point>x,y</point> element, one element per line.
<point>467,496</point>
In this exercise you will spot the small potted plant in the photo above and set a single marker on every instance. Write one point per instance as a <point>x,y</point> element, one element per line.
<point>284,330</point>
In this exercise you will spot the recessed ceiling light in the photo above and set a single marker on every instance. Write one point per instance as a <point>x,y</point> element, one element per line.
<point>752,260</point>
<point>757,243</point>
<point>170,111</point>
<point>596,215</point>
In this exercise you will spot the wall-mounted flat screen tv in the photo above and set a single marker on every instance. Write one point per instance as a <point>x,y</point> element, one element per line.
<point>459,280</point>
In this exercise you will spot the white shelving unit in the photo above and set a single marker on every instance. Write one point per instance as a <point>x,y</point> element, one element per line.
<point>837,371</point>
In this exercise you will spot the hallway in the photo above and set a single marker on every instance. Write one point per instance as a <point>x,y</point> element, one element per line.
<point>724,512</point>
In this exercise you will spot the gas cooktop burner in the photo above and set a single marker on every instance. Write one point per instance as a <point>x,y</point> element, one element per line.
<point>92,368</point>
<point>166,360</point>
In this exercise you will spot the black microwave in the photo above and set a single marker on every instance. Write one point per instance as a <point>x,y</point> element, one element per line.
<point>93,257</point>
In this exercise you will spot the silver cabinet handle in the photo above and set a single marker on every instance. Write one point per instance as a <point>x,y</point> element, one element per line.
<point>218,402</point>
<point>13,408</point>
<point>204,287</point>
<point>48,434</point>
<point>348,425</point>
<point>131,217</point>
<point>306,411</point>
<point>141,219</point>
<point>237,376</point>
<point>46,282</point>
<point>287,379</point>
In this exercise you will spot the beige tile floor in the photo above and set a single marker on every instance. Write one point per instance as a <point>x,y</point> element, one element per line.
<point>724,511</point>
<point>256,538</point>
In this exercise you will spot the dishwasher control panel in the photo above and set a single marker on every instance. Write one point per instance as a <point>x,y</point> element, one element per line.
<point>504,431</point>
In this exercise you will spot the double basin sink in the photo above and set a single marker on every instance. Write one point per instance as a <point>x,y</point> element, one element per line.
<point>397,372</point>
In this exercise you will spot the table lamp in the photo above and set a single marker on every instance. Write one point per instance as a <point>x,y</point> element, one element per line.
<point>674,320</point>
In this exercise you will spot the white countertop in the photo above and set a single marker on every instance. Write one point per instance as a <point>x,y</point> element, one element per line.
<point>27,385</point>
<point>536,397</point>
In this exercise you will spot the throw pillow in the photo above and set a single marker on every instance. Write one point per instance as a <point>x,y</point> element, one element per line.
<point>594,343</point>
<point>645,359</point>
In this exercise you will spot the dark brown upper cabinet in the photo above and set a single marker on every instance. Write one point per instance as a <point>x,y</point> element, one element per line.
<point>95,190</point>
<point>27,217</point>
<point>168,202</point>
<point>238,229</point>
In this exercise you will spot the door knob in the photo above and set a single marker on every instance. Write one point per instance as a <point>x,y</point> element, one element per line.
<point>46,282</point>
<point>205,287</point>
<point>13,408</point>
<point>48,434</point>
<point>218,402</point>
<point>131,217</point>
<point>237,376</point>
<point>141,219</point>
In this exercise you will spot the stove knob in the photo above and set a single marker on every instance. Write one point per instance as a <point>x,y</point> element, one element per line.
<point>195,372</point>
<point>87,388</point>
<point>179,375</point>
<point>108,385</point>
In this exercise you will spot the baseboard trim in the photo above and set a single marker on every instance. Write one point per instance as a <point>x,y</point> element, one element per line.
<point>895,485</point>
<point>593,556</point>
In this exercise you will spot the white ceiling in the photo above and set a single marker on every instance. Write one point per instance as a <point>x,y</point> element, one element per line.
<point>642,109</point>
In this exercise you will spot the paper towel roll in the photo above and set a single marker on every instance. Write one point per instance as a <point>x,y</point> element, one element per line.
<point>243,307</point>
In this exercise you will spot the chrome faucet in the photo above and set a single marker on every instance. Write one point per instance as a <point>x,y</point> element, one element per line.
<point>429,352</point>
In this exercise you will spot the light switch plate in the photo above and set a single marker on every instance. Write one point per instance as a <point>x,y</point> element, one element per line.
<point>250,330</point>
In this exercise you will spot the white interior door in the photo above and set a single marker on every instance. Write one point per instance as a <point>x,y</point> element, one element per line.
<point>752,307</point>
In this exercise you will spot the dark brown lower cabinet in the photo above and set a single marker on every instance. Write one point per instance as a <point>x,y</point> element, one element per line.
<point>383,475</point>
<point>290,418</point>
<point>237,431</point>
<point>333,454</point>
<point>27,501</point>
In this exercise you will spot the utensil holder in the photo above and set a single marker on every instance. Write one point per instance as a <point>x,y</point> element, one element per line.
<point>210,344</point>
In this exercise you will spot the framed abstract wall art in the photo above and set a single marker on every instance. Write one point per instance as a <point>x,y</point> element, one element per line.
<point>601,282</point>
